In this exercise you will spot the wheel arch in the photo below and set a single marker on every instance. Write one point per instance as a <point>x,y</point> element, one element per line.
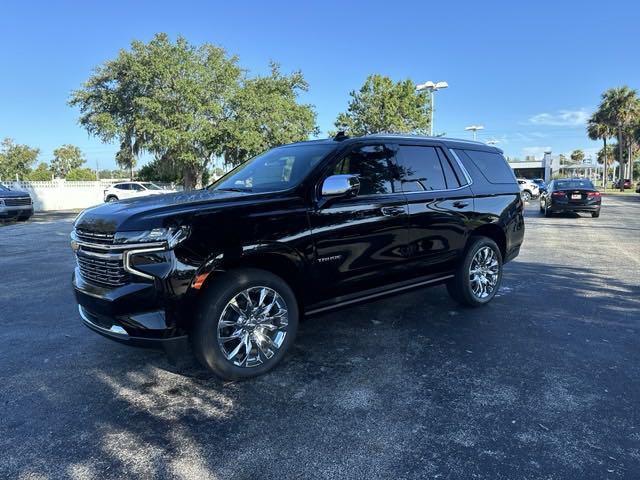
<point>494,232</point>
<point>278,259</point>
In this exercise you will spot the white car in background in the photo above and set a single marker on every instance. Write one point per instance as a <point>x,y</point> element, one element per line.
<point>528,189</point>
<point>124,190</point>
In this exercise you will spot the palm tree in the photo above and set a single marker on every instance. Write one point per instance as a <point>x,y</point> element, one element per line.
<point>597,129</point>
<point>620,110</point>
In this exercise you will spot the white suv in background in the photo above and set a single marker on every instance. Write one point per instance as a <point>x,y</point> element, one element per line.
<point>528,189</point>
<point>124,190</point>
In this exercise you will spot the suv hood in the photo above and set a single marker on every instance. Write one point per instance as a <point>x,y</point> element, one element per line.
<point>13,194</point>
<point>153,211</point>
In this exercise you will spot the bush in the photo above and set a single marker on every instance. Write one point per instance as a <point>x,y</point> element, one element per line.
<point>79,174</point>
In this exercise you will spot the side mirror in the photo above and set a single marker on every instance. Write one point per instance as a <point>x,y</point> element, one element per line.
<point>340,186</point>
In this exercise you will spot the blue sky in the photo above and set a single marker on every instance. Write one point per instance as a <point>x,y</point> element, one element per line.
<point>530,74</point>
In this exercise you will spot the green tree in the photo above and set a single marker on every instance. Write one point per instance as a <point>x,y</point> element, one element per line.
<point>382,105</point>
<point>577,156</point>
<point>597,129</point>
<point>42,173</point>
<point>619,109</point>
<point>66,158</point>
<point>265,113</point>
<point>16,159</point>
<point>167,98</point>
<point>80,174</point>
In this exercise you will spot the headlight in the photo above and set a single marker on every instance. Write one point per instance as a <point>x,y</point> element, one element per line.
<point>171,236</point>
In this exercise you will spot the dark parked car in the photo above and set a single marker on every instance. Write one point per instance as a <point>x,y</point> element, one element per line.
<point>15,205</point>
<point>542,185</point>
<point>299,230</point>
<point>626,182</point>
<point>571,195</point>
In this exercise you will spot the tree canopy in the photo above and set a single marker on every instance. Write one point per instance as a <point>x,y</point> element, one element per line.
<point>617,115</point>
<point>16,159</point>
<point>382,105</point>
<point>577,156</point>
<point>66,158</point>
<point>187,103</point>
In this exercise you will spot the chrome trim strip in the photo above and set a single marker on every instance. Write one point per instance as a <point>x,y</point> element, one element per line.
<point>114,330</point>
<point>375,295</point>
<point>123,246</point>
<point>461,165</point>
<point>127,256</point>
<point>105,256</point>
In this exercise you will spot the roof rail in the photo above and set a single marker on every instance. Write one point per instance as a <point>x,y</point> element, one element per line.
<point>341,135</point>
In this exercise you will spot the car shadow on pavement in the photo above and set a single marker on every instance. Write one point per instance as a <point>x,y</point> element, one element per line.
<point>409,386</point>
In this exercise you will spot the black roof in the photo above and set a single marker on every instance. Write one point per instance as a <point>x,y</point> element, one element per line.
<point>393,137</point>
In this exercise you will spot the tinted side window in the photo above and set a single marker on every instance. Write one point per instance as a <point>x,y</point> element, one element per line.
<point>420,169</point>
<point>373,164</point>
<point>492,165</point>
<point>123,186</point>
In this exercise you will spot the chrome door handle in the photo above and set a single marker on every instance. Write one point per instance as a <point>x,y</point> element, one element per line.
<point>392,211</point>
<point>460,204</point>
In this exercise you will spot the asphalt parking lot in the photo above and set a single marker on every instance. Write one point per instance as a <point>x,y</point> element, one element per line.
<point>542,383</point>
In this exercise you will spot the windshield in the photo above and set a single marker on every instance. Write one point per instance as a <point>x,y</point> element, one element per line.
<point>278,169</point>
<point>569,184</point>
<point>151,186</point>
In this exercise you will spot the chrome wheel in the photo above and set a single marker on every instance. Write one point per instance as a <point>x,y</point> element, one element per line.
<point>253,326</point>
<point>526,196</point>
<point>484,272</point>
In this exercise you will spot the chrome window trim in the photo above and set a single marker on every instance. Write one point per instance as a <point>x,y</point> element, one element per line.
<point>461,165</point>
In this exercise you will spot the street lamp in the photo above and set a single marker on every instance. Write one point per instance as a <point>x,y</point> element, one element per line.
<point>474,129</point>
<point>431,87</point>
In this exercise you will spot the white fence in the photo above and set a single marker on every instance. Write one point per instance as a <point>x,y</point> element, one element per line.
<point>62,195</point>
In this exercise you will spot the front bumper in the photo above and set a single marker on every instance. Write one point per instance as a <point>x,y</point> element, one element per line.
<point>132,314</point>
<point>115,329</point>
<point>16,212</point>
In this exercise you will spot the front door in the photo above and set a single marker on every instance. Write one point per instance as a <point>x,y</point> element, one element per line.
<point>362,239</point>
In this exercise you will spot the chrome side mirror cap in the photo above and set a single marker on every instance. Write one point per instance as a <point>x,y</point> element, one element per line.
<point>341,186</point>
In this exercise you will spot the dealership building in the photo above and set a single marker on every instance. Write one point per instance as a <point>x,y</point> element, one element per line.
<point>551,165</point>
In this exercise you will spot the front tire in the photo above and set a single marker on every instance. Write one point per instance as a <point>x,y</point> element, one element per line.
<point>526,195</point>
<point>595,214</point>
<point>245,324</point>
<point>478,276</point>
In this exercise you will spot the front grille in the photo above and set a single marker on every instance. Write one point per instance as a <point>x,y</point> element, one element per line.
<point>94,237</point>
<point>17,202</point>
<point>105,272</point>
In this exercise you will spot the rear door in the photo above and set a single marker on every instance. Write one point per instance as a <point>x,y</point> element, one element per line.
<point>362,239</point>
<point>440,204</point>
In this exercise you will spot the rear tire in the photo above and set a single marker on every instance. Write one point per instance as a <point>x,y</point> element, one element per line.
<point>526,195</point>
<point>595,214</point>
<point>112,198</point>
<point>478,277</point>
<point>230,339</point>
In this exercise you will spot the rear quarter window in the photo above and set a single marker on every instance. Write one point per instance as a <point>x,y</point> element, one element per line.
<point>492,165</point>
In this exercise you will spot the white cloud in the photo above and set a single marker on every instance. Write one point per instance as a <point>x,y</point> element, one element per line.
<point>536,152</point>
<point>562,118</point>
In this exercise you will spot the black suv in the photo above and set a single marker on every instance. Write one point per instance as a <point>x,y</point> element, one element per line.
<point>301,229</point>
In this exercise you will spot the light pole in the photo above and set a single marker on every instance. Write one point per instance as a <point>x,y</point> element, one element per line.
<point>431,87</point>
<point>474,129</point>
